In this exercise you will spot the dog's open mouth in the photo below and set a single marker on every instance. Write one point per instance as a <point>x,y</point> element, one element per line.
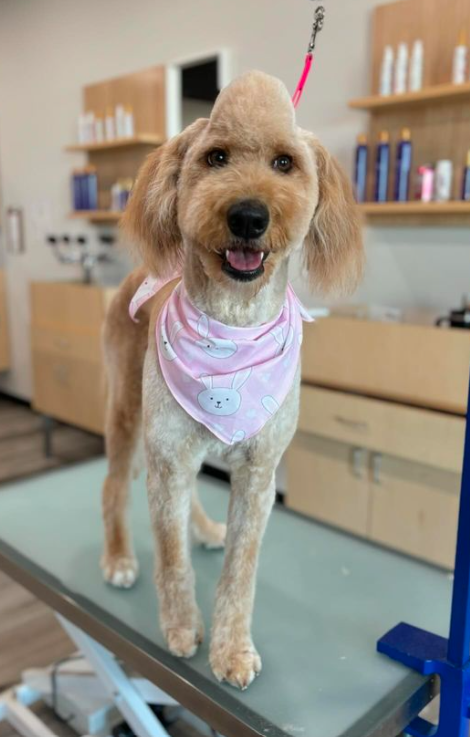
<point>244,264</point>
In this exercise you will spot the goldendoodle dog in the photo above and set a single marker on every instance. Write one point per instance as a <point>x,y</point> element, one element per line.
<point>208,361</point>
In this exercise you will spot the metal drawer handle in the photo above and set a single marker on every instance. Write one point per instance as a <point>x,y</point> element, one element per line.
<point>376,467</point>
<point>358,462</point>
<point>353,424</point>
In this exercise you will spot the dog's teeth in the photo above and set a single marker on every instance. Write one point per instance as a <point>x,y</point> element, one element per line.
<point>227,253</point>
<point>263,256</point>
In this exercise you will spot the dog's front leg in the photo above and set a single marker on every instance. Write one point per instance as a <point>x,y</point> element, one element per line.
<point>170,483</point>
<point>232,654</point>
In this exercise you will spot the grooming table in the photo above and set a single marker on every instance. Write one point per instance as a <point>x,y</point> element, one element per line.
<point>323,600</point>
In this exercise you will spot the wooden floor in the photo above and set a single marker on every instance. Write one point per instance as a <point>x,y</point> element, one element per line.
<point>22,442</point>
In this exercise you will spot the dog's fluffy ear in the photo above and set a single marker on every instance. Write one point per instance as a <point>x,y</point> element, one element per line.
<point>333,249</point>
<point>151,217</point>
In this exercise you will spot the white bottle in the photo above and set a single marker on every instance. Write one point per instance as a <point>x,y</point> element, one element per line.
<point>129,122</point>
<point>109,125</point>
<point>401,69</point>
<point>99,129</point>
<point>416,67</point>
<point>82,128</point>
<point>386,72</point>
<point>90,127</point>
<point>443,180</point>
<point>460,64</point>
<point>120,121</point>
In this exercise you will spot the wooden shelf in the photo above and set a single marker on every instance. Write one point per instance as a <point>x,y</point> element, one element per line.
<point>143,140</point>
<point>96,215</point>
<point>381,209</point>
<point>436,93</point>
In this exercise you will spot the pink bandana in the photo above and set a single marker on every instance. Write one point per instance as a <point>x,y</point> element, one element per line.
<point>230,379</point>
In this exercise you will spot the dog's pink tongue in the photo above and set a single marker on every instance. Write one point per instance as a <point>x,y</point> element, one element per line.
<point>244,260</point>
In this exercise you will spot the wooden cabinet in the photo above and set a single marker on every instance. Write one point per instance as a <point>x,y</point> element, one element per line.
<point>326,481</point>
<point>414,364</point>
<point>384,471</point>
<point>4,341</point>
<point>66,322</point>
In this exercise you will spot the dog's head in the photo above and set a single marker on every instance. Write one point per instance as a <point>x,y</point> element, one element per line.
<point>243,189</point>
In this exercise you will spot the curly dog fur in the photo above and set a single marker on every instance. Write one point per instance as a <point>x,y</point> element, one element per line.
<point>177,217</point>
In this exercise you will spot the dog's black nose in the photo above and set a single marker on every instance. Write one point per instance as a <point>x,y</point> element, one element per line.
<point>248,219</point>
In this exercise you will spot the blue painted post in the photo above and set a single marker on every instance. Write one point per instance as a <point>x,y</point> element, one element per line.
<point>459,638</point>
<point>430,654</point>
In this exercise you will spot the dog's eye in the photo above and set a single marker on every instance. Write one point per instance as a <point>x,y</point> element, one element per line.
<point>283,163</point>
<point>217,157</point>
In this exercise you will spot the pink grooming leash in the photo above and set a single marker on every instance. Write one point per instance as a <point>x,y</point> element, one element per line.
<point>316,28</point>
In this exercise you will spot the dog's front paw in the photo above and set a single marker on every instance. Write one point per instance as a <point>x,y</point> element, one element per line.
<point>184,638</point>
<point>239,666</point>
<point>183,641</point>
<point>121,572</point>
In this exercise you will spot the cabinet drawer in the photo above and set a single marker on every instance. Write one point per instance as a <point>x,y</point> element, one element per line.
<point>67,305</point>
<point>323,484</point>
<point>414,509</point>
<point>419,435</point>
<point>86,346</point>
<point>415,364</point>
<point>69,389</point>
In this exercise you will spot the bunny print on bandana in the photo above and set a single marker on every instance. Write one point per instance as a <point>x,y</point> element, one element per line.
<point>214,347</point>
<point>222,401</point>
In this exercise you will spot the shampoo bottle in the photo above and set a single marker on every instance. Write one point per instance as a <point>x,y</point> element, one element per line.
<point>401,70</point>
<point>360,172</point>
<point>120,121</point>
<point>466,180</point>
<point>386,72</point>
<point>416,67</point>
<point>382,167</point>
<point>403,166</point>
<point>129,122</point>
<point>460,63</point>
<point>109,125</point>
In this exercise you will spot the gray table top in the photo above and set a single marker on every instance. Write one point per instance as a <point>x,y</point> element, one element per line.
<point>323,600</point>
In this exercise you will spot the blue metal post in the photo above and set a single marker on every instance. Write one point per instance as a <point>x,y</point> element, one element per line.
<point>430,654</point>
<point>459,638</point>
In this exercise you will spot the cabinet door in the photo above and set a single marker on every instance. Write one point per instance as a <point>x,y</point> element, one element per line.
<point>414,508</point>
<point>328,480</point>
<point>69,389</point>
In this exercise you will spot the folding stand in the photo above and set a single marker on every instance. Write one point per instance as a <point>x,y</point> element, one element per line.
<point>448,658</point>
<point>131,696</point>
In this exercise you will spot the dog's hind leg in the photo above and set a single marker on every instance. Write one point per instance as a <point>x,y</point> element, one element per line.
<point>205,531</point>
<point>125,344</point>
<point>119,564</point>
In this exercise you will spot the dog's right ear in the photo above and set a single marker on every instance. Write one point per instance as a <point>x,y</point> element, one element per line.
<point>151,216</point>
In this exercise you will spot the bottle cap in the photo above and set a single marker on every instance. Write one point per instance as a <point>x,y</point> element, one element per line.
<point>406,134</point>
<point>362,139</point>
<point>384,137</point>
<point>463,37</point>
<point>468,158</point>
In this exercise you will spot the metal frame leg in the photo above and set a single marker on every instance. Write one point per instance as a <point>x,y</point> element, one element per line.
<point>14,709</point>
<point>449,658</point>
<point>125,695</point>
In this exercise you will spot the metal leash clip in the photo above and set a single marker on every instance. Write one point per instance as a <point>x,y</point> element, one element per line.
<point>317,26</point>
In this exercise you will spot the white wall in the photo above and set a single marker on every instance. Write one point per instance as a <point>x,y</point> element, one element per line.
<point>49,49</point>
